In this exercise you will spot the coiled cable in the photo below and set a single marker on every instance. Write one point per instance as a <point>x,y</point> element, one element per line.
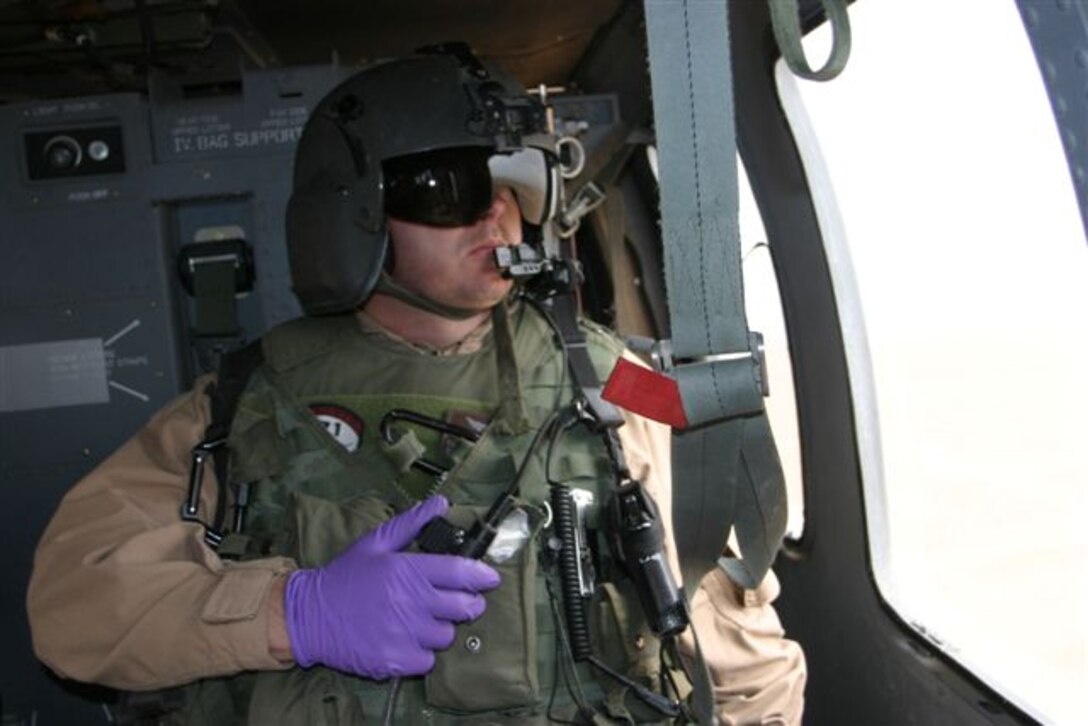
<point>563,524</point>
<point>581,645</point>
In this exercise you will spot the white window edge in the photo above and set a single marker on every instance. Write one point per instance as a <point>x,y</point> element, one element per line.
<point>861,378</point>
<point>852,323</point>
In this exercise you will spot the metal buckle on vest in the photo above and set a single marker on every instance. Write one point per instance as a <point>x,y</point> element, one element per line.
<point>389,436</point>
<point>191,506</point>
<point>663,360</point>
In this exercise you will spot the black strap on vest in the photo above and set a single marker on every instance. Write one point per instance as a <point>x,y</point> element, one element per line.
<point>235,370</point>
<point>586,381</point>
<point>605,417</point>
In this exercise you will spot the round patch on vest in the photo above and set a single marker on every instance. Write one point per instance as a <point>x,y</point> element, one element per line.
<point>342,424</point>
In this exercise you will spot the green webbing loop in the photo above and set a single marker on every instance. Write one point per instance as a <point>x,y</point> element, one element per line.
<point>760,505</point>
<point>725,467</point>
<point>214,289</point>
<point>718,373</point>
<point>691,75</point>
<point>405,451</point>
<point>787,32</point>
<point>693,111</point>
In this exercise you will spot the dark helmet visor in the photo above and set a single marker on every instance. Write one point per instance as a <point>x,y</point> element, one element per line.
<point>444,188</point>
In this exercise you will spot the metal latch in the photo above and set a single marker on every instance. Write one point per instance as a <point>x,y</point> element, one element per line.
<point>190,508</point>
<point>234,251</point>
<point>663,360</point>
<point>588,198</point>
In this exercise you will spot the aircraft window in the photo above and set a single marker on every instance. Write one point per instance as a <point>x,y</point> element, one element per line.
<point>763,306</point>
<point>957,237</point>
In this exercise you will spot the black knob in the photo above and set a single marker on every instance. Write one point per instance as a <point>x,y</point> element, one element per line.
<point>62,153</point>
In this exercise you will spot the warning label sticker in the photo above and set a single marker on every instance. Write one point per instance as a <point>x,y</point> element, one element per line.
<point>48,375</point>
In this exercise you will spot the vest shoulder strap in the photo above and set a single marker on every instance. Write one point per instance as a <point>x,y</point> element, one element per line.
<point>235,370</point>
<point>587,381</point>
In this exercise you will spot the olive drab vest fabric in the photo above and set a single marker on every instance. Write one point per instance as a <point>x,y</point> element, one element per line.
<point>306,436</point>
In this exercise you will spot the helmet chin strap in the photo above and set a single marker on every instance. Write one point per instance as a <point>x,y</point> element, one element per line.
<point>387,286</point>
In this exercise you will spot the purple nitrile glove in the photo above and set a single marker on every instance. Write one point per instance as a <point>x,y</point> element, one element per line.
<point>378,612</point>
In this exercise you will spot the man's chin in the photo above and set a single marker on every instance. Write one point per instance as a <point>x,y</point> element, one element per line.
<point>485,304</point>
<point>493,289</point>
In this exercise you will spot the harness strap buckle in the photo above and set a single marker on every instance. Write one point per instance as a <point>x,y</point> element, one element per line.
<point>688,368</point>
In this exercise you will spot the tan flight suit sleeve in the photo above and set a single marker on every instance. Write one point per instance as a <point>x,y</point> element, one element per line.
<point>758,674</point>
<point>125,594</point>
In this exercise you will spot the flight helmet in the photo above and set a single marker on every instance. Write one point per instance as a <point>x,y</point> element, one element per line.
<point>422,138</point>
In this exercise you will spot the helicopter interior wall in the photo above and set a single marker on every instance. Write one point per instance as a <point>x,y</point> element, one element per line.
<point>94,323</point>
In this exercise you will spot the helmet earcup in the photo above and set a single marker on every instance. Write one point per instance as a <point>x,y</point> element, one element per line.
<point>336,246</point>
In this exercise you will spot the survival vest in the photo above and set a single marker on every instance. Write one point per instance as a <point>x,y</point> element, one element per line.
<point>306,436</point>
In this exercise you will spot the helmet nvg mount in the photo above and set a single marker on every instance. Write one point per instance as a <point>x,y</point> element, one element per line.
<point>389,116</point>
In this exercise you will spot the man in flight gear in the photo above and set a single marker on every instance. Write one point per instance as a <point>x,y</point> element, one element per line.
<point>418,512</point>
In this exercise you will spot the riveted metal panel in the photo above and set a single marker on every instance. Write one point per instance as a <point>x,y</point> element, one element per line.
<point>97,196</point>
<point>1058,30</point>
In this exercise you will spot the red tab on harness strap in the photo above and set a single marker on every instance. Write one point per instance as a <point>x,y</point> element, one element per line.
<point>645,392</point>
